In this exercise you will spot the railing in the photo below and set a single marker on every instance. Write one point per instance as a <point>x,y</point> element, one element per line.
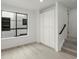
<point>62,29</point>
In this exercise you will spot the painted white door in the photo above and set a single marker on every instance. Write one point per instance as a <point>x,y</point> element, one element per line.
<point>47,27</point>
<point>52,28</point>
<point>42,28</point>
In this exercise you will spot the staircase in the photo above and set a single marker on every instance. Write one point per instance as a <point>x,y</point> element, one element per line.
<point>70,46</point>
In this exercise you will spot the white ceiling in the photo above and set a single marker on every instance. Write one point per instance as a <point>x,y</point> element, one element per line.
<point>35,4</point>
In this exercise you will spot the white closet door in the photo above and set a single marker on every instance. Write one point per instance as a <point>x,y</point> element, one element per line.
<point>52,28</point>
<point>47,27</point>
<point>42,28</point>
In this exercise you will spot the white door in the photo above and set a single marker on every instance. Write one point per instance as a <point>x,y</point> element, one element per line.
<point>47,27</point>
<point>42,28</point>
<point>52,28</point>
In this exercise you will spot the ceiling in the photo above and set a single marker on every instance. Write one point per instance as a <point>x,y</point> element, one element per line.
<point>35,4</point>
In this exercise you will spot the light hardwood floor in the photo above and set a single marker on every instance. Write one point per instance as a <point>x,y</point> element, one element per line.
<point>34,51</point>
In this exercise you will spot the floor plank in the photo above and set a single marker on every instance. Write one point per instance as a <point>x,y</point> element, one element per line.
<point>34,51</point>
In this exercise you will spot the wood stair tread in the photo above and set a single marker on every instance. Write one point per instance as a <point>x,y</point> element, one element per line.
<point>69,51</point>
<point>70,46</point>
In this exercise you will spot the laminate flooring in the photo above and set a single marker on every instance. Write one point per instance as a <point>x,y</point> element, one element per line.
<point>34,51</point>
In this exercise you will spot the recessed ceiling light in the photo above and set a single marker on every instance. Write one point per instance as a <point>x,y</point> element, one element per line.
<point>41,0</point>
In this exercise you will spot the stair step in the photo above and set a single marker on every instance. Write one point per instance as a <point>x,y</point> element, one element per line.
<point>72,39</point>
<point>70,45</point>
<point>69,51</point>
<point>73,42</point>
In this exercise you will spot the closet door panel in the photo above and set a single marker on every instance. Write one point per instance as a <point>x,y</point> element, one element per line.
<point>52,28</point>
<point>42,28</point>
<point>47,28</point>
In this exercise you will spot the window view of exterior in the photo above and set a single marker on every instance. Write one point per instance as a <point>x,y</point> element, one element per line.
<point>13,24</point>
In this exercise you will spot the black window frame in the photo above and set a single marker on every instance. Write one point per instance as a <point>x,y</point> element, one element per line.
<point>16,23</point>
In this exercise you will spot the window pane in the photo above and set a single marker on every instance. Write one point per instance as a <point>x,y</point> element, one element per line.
<point>8,24</point>
<point>20,19</point>
<point>21,32</point>
<point>21,24</point>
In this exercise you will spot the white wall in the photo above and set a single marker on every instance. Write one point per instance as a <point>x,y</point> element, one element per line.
<point>62,19</point>
<point>15,41</point>
<point>73,23</point>
<point>37,26</point>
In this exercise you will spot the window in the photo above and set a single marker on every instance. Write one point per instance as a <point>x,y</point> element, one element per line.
<point>24,21</point>
<point>5,24</point>
<point>21,24</point>
<point>14,24</point>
